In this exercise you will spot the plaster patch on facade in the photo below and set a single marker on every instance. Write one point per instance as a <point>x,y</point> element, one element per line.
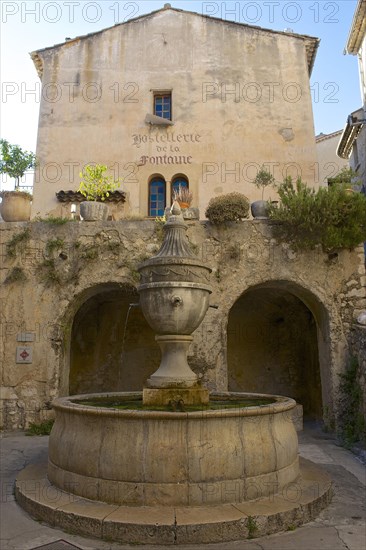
<point>287,134</point>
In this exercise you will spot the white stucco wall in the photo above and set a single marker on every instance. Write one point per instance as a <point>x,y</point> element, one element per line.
<point>330,164</point>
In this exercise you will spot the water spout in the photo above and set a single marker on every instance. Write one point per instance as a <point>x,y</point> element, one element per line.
<point>124,339</point>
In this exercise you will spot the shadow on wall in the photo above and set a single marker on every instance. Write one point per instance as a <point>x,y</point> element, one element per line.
<point>104,357</point>
<point>273,348</point>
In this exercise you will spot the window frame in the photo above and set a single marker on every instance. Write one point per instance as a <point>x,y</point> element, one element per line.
<point>156,177</point>
<point>163,93</point>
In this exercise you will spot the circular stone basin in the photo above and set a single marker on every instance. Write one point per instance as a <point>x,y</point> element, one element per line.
<point>136,404</point>
<point>230,452</point>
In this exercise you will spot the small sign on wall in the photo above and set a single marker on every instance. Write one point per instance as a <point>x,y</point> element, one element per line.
<point>26,337</point>
<point>24,354</point>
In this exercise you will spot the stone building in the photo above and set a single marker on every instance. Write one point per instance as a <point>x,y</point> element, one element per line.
<point>174,97</point>
<point>352,144</point>
<point>329,164</point>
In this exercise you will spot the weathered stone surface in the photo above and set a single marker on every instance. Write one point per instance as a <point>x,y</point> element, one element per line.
<point>182,524</point>
<point>358,350</point>
<point>68,305</point>
<point>178,398</point>
<point>343,519</point>
<point>179,458</point>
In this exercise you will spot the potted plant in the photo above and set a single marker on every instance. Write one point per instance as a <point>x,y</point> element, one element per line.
<point>262,180</point>
<point>16,205</point>
<point>183,196</point>
<point>96,186</point>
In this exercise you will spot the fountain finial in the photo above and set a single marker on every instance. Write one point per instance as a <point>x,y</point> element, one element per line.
<point>175,241</point>
<point>175,209</point>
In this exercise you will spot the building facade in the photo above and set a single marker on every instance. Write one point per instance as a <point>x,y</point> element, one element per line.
<point>173,98</point>
<point>329,162</point>
<point>352,144</point>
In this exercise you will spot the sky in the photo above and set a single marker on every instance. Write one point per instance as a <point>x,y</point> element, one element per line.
<point>27,26</point>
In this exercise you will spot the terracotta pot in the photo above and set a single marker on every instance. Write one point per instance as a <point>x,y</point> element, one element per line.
<point>184,204</point>
<point>92,211</point>
<point>16,206</point>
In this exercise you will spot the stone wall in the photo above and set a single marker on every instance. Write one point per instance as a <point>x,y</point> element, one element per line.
<point>112,346</point>
<point>358,350</point>
<point>272,348</point>
<point>62,286</point>
<point>358,161</point>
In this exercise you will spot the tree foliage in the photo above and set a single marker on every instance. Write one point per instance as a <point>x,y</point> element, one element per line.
<point>14,161</point>
<point>263,179</point>
<point>95,185</point>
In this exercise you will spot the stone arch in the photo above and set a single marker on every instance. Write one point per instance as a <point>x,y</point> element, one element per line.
<point>102,355</point>
<point>278,342</point>
<point>154,176</point>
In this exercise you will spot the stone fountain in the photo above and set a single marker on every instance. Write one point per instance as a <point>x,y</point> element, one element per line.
<point>174,297</point>
<point>174,464</point>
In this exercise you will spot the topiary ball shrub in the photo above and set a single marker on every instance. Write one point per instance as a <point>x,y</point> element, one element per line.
<point>231,207</point>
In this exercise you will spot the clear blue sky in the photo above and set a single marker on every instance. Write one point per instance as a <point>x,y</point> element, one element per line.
<point>27,26</point>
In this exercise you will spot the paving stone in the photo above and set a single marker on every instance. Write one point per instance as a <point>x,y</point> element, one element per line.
<point>306,538</point>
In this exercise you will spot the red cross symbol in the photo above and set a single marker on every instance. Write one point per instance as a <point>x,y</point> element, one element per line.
<point>24,355</point>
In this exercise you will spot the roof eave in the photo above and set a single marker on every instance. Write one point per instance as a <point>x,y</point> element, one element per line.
<point>311,57</point>
<point>311,42</point>
<point>38,63</point>
<point>349,136</point>
<point>324,137</point>
<point>358,29</point>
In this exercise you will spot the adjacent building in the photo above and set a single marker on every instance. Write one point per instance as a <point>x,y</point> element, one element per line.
<point>352,144</point>
<point>328,161</point>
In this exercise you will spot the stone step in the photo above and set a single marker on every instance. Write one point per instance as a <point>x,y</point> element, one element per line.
<point>298,503</point>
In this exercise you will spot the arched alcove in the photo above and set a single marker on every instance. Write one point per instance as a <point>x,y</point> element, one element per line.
<point>106,354</point>
<point>276,344</point>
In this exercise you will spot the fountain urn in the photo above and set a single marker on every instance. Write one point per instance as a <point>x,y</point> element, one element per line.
<point>174,297</point>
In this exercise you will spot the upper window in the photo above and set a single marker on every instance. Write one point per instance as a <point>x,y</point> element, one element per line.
<point>163,105</point>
